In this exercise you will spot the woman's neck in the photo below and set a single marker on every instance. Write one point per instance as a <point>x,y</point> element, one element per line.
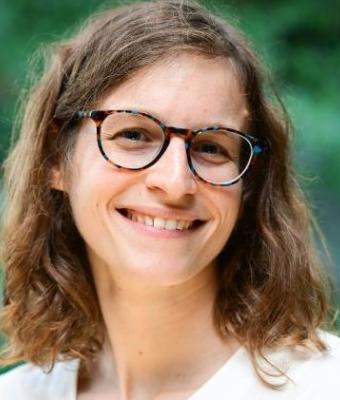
<point>159,339</point>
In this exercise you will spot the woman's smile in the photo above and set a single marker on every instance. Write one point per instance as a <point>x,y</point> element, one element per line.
<point>155,225</point>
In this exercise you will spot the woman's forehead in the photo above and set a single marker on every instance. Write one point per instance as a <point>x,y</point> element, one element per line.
<point>189,88</point>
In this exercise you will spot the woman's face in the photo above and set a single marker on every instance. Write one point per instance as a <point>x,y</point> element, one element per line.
<point>187,91</point>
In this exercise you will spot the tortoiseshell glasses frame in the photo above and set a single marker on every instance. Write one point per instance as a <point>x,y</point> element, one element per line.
<point>258,146</point>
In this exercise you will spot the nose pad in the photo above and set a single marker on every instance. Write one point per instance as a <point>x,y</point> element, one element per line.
<point>172,174</point>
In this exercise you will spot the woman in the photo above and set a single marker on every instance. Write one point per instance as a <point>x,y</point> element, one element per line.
<point>156,243</point>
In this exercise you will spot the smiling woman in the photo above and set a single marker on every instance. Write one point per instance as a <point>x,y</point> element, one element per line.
<point>167,190</point>
<point>156,243</point>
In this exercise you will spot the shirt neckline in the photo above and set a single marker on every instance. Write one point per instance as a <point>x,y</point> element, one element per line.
<point>206,388</point>
<point>228,369</point>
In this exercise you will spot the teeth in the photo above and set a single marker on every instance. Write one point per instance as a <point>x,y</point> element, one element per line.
<point>187,224</point>
<point>181,224</point>
<point>171,224</point>
<point>160,223</point>
<point>148,221</point>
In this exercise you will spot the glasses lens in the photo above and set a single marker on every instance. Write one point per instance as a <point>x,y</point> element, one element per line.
<point>220,156</point>
<point>131,140</point>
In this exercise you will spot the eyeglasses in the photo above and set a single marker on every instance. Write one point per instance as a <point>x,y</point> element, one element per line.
<point>135,140</point>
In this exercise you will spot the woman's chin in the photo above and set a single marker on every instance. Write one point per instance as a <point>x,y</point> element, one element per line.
<point>155,275</point>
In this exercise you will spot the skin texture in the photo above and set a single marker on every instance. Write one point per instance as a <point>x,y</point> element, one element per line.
<point>157,293</point>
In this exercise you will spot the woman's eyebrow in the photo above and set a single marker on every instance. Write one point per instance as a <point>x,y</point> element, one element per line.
<point>221,122</point>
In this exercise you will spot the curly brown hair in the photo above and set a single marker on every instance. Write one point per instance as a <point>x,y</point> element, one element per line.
<point>273,289</point>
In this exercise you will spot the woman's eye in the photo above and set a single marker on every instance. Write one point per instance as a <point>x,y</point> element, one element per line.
<point>210,153</point>
<point>132,135</point>
<point>209,148</point>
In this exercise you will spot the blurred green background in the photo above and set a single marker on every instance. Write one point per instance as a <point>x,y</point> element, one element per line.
<point>297,40</point>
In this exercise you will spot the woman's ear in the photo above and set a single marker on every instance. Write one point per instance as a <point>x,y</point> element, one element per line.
<point>57,179</point>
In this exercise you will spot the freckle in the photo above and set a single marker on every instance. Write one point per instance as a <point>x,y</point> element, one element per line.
<point>140,353</point>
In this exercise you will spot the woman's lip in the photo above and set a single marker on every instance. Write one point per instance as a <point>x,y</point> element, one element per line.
<point>162,213</point>
<point>159,233</point>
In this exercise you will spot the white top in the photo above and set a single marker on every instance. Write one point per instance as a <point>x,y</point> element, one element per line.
<point>315,376</point>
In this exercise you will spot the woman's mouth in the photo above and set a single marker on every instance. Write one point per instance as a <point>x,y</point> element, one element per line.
<point>160,223</point>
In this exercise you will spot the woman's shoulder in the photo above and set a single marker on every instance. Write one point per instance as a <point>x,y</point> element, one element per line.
<point>304,362</point>
<point>29,381</point>
<point>326,364</point>
<point>332,353</point>
<point>332,341</point>
<point>313,374</point>
<point>332,338</point>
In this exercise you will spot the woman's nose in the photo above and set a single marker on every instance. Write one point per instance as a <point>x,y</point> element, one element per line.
<point>171,174</point>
